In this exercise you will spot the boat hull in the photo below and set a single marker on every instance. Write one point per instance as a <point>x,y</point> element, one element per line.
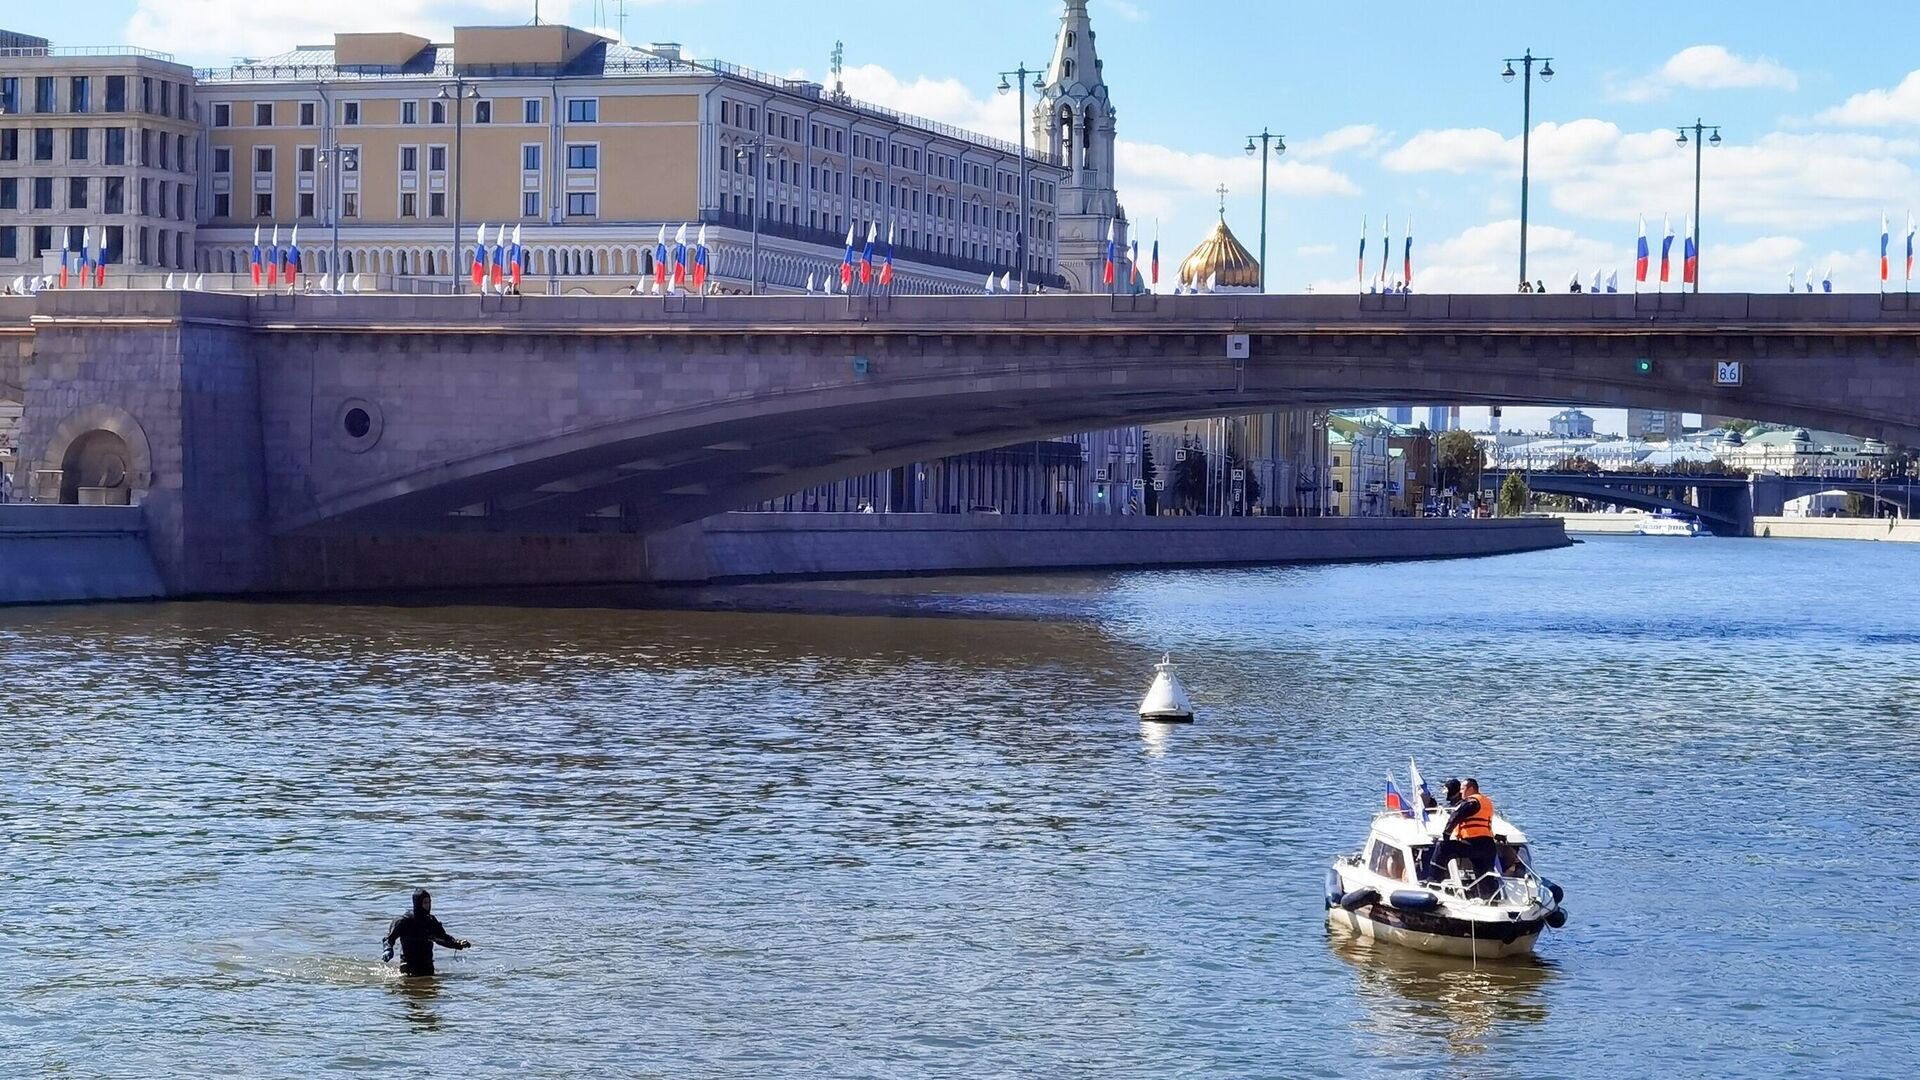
<point>1437,934</point>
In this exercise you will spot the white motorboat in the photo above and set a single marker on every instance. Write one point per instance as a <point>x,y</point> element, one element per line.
<point>1387,891</point>
<point>1668,523</point>
<point>1166,701</point>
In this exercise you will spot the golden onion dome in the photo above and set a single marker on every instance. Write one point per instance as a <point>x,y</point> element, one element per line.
<point>1223,259</point>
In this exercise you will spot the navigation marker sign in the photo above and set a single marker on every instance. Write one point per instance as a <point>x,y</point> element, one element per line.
<point>1726,373</point>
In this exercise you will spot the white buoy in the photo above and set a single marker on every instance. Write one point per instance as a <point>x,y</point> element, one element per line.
<point>1166,701</point>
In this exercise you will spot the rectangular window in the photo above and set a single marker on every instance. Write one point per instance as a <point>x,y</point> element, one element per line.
<point>9,193</point>
<point>437,204</point>
<point>76,193</point>
<point>483,112</point>
<point>409,159</point>
<point>529,204</point>
<point>583,110</point>
<point>409,204</point>
<point>263,204</point>
<point>9,94</point>
<point>349,204</point>
<point>223,159</point>
<point>436,159</point>
<point>304,158</point>
<point>9,243</point>
<point>349,113</point>
<point>262,110</point>
<point>166,98</point>
<point>79,95</point>
<point>583,156</point>
<point>146,196</point>
<point>146,95</point>
<point>43,94</point>
<point>409,112</point>
<point>166,146</point>
<point>305,204</point>
<point>116,93</point>
<point>436,112</point>
<point>9,144</point>
<point>222,114</point>
<point>113,195</point>
<point>222,205</point>
<point>530,157</point>
<point>530,110</point>
<point>582,204</point>
<point>43,193</point>
<point>262,160</point>
<point>180,201</point>
<point>116,146</point>
<point>77,144</point>
<point>43,144</point>
<point>309,114</point>
<point>146,146</point>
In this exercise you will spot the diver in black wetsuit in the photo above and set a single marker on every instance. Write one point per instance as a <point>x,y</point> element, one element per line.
<point>418,932</point>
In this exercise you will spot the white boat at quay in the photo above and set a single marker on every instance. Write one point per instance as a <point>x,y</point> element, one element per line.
<point>1387,892</point>
<point>1668,523</point>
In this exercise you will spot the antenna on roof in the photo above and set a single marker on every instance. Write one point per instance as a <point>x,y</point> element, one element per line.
<point>839,65</point>
<point>621,7</point>
<point>536,12</point>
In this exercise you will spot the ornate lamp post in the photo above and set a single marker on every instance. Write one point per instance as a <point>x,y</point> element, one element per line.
<point>753,153</point>
<point>1019,78</point>
<point>1526,61</point>
<point>1699,145</point>
<point>1279,145</point>
<point>341,160</point>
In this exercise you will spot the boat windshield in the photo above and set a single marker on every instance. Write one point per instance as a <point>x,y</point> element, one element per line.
<point>1513,868</point>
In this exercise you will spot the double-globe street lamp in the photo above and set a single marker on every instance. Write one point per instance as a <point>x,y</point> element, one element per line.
<point>753,152</point>
<point>1699,145</point>
<point>1526,61</point>
<point>340,160</point>
<point>1019,78</point>
<point>1279,145</point>
<point>458,93</point>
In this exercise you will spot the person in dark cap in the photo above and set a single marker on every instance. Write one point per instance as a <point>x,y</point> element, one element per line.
<point>418,932</point>
<point>1453,792</point>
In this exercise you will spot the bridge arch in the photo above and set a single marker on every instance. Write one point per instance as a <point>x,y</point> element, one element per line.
<point>99,446</point>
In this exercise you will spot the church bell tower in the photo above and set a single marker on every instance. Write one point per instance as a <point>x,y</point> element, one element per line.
<point>1074,122</point>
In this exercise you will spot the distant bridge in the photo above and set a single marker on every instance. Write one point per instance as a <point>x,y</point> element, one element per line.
<point>250,420</point>
<point>1725,504</point>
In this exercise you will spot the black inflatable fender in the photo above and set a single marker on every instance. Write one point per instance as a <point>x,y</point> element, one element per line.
<point>1414,900</point>
<point>1557,918</point>
<point>1559,894</point>
<point>1359,898</point>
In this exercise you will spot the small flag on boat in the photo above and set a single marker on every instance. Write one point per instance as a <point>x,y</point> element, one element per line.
<point>1420,792</point>
<point>1395,801</point>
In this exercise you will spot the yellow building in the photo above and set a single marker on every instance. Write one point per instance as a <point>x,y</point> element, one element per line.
<point>100,144</point>
<point>590,146</point>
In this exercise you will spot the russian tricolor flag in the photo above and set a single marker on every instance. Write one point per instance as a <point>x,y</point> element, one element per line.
<point>866,254</point>
<point>1156,259</point>
<point>86,257</point>
<point>1406,269</point>
<point>680,256</point>
<point>1360,266</point>
<point>273,258</point>
<point>1133,262</point>
<point>1396,801</point>
<point>660,262</point>
<point>516,258</point>
<point>1884,241</point>
<point>66,256</point>
<point>1690,265</point>
<point>253,261</point>
<point>700,261</point>
<point>886,265</point>
<point>846,263</point>
<point>293,256</point>
<point>479,273</point>
<point>1666,247</point>
<point>1640,254</point>
<point>1111,254</point>
<point>1909,245</point>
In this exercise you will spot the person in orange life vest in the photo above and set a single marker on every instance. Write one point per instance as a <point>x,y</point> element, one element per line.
<point>1469,834</point>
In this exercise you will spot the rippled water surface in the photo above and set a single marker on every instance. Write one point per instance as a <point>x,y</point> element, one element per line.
<point>693,845</point>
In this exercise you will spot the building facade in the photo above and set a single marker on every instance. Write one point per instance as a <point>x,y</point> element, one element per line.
<point>1570,424</point>
<point>1654,424</point>
<point>1075,122</point>
<point>96,145</point>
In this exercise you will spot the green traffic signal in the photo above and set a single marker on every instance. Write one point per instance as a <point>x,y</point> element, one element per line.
<point>1643,366</point>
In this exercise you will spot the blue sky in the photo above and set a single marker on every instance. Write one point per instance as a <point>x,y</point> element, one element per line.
<point>1399,110</point>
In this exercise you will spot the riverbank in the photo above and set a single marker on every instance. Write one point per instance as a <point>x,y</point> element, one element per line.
<point>745,547</point>
<point>1798,528</point>
<point>1601,524</point>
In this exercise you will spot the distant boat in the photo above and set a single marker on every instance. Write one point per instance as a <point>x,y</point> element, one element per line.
<point>1668,523</point>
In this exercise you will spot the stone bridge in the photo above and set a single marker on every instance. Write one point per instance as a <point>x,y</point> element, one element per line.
<point>251,422</point>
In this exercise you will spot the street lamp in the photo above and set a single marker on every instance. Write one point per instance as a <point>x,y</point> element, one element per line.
<point>1526,60</point>
<point>459,92</point>
<point>1019,76</point>
<point>753,152</point>
<point>1279,144</point>
<point>339,160</point>
<point>1699,146</point>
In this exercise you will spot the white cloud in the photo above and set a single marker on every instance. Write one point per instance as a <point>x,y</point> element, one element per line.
<point>1707,67</point>
<point>1353,137</point>
<point>949,101</point>
<point>215,31</point>
<point>1880,108</point>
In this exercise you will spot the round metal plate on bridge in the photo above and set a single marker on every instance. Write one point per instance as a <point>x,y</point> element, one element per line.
<point>357,425</point>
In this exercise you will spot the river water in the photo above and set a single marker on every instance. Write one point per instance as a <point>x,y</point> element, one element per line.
<point>719,845</point>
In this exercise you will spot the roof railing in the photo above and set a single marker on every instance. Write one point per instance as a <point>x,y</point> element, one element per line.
<point>85,50</point>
